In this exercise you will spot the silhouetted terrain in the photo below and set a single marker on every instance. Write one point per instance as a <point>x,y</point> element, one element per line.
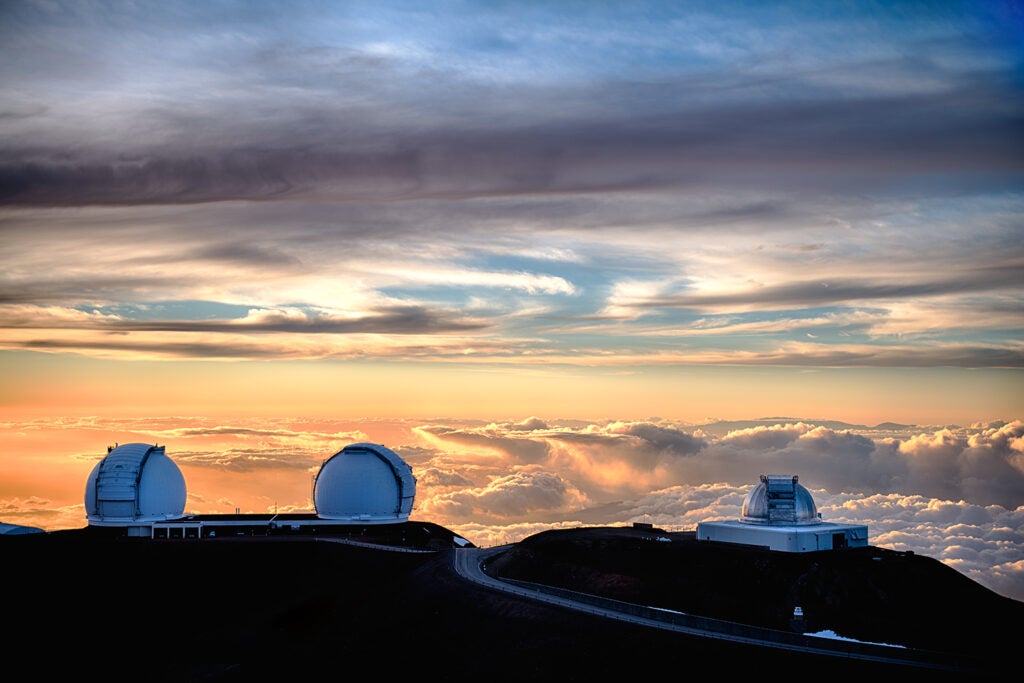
<point>277,608</point>
<point>870,593</point>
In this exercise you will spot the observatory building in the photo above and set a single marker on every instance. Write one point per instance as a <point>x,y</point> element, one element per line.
<point>779,514</point>
<point>364,490</point>
<point>364,483</point>
<point>133,487</point>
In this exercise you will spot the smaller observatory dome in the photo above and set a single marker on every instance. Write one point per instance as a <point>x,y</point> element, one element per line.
<point>135,482</point>
<point>365,483</point>
<point>779,499</point>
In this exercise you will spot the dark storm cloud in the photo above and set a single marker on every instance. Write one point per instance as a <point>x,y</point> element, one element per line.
<point>138,103</point>
<point>394,320</point>
<point>237,252</point>
<point>219,175</point>
<point>846,145</point>
<point>94,288</point>
<point>163,348</point>
<point>386,320</point>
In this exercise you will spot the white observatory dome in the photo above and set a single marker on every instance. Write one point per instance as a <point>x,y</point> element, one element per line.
<point>135,482</point>
<point>365,483</point>
<point>779,499</point>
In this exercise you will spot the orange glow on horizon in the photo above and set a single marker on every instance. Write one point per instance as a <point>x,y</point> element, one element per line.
<point>79,387</point>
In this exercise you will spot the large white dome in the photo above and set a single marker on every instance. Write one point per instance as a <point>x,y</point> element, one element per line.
<point>365,483</point>
<point>135,482</point>
<point>779,499</point>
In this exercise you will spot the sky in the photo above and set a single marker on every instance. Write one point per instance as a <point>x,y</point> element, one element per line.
<point>577,262</point>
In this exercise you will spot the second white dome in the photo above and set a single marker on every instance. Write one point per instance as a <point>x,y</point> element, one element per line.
<point>365,483</point>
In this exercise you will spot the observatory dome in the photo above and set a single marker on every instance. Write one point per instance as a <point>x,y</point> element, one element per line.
<point>779,499</point>
<point>135,482</point>
<point>365,483</point>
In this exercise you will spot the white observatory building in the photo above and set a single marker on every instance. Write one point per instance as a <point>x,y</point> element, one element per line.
<point>135,485</point>
<point>364,483</point>
<point>136,490</point>
<point>779,514</point>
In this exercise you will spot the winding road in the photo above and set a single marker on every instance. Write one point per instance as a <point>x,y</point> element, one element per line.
<point>469,563</point>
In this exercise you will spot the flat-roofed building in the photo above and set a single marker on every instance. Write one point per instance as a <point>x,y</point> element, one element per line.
<point>779,513</point>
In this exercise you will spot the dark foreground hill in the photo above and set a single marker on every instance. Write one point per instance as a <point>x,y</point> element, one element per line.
<point>870,594</point>
<point>281,608</point>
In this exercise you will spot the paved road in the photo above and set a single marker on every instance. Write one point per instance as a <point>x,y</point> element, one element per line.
<point>469,563</point>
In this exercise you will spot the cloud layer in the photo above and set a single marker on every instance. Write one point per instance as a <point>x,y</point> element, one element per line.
<point>956,494</point>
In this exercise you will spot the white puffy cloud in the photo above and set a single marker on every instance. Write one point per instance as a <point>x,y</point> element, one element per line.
<point>954,494</point>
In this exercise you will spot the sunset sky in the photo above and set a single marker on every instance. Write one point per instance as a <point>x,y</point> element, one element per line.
<point>577,262</point>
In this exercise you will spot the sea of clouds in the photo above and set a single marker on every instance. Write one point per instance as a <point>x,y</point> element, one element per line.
<point>952,493</point>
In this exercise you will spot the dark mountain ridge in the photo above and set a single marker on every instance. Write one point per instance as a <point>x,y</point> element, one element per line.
<point>870,594</point>
<point>279,607</point>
